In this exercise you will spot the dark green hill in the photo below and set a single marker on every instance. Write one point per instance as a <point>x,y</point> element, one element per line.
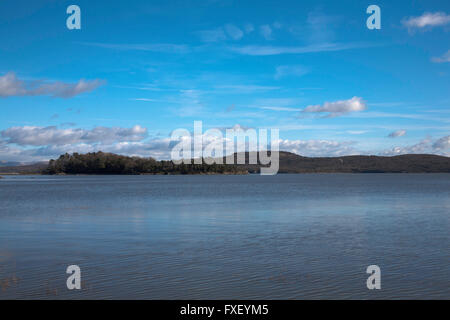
<point>409,163</point>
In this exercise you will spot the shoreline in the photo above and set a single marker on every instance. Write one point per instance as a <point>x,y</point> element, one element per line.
<point>210,174</point>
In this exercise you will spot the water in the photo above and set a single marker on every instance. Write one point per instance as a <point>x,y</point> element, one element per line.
<point>306,236</point>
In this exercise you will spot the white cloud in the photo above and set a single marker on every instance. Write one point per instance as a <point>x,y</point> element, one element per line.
<point>42,136</point>
<point>440,147</point>
<point>338,108</point>
<point>442,143</point>
<point>310,148</point>
<point>266,31</point>
<point>66,90</point>
<point>292,70</point>
<point>423,146</point>
<point>444,58</point>
<point>398,133</point>
<point>318,148</point>
<point>152,47</point>
<point>322,47</point>
<point>11,86</point>
<point>129,141</point>
<point>156,148</point>
<point>31,144</point>
<point>427,20</point>
<point>27,144</point>
<point>234,32</point>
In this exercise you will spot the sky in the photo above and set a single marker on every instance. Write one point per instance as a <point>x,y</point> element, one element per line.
<point>138,70</point>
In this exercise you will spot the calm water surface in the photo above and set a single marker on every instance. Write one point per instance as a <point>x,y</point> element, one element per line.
<point>225,237</point>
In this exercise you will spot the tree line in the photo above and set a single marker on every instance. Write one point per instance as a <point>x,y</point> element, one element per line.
<point>108,163</point>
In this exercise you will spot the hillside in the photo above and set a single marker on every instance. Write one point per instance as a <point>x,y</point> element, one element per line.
<point>35,168</point>
<point>410,163</point>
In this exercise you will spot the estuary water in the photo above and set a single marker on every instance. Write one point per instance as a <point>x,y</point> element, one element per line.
<point>305,236</point>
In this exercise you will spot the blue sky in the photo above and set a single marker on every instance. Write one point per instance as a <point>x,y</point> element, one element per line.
<point>137,70</point>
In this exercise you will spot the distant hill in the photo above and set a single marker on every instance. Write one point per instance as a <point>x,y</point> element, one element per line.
<point>35,168</point>
<point>408,163</point>
<point>107,163</point>
<point>9,164</point>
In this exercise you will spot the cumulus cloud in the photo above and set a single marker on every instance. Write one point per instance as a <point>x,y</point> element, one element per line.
<point>27,144</point>
<point>339,107</point>
<point>427,20</point>
<point>310,148</point>
<point>444,58</point>
<point>418,148</point>
<point>398,133</point>
<point>155,148</point>
<point>440,146</point>
<point>11,86</point>
<point>31,144</point>
<point>52,135</point>
<point>286,71</point>
<point>318,148</point>
<point>266,31</point>
<point>442,143</point>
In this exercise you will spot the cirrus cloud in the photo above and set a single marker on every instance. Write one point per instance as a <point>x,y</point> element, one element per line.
<point>257,50</point>
<point>292,70</point>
